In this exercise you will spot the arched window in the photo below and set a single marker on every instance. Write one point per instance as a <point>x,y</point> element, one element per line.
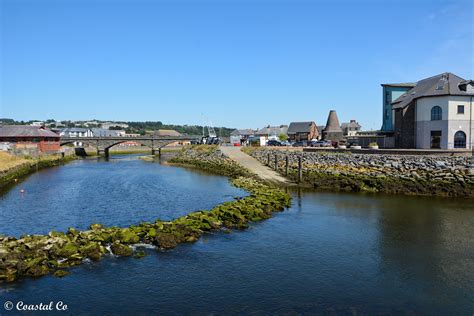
<point>436,113</point>
<point>460,139</point>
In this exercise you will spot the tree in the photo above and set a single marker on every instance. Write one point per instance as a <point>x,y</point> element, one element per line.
<point>283,137</point>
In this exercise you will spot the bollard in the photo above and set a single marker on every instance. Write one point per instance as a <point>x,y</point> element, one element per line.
<point>268,159</point>
<point>287,165</point>
<point>300,169</point>
<point>276,162</point>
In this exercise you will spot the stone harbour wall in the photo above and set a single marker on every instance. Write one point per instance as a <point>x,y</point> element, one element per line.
<point>418,175</point>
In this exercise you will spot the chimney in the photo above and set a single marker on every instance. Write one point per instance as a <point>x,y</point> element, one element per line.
<point>332,124</point>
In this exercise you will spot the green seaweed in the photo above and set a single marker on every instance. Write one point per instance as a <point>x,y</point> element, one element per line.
<point>37,255</point>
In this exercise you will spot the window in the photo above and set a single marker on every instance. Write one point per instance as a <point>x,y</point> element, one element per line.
<point>460,109</point>
<point>436,113</point>
<point>460,139</point>
<point>387,114</point>
<point>388,97</point>
<point>436,139</point>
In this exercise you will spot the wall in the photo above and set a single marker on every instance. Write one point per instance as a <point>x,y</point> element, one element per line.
<point>405,127</point>
<point>451,121</point>
<point>395,92</point>
<point>461,122</point>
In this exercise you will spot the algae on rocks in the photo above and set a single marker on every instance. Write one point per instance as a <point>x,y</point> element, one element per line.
<point>37,255</point>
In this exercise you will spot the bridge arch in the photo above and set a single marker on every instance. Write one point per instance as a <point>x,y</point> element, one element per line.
<point>103,144</point>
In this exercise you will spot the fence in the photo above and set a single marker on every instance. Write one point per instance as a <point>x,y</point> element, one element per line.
<point>287,165</point>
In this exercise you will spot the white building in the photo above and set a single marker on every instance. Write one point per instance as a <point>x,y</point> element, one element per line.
<point>76,132</point>
<point>351,128</point>
<point>436,114</point>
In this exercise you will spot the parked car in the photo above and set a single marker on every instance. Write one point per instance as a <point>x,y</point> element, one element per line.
<point>321,143</point>
<point>299,144</point>
<point>286,143</point>
<point>273,142</point>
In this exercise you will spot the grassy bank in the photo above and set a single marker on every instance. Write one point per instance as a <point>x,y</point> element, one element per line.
<point>13,168</point>
<point>37,255</point>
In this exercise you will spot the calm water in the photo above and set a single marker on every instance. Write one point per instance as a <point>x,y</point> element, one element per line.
<point>327,254</point>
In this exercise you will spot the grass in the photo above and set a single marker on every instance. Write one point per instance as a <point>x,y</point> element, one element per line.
<point>8,161</point>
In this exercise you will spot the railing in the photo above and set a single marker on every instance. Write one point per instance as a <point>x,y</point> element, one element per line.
<point>287,165</point>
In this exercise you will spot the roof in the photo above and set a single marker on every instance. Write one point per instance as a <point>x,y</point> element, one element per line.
<point>350,124</point>
<point>167,132</point>
<point>401,85</point>
<point>25,131</point>
<point>244,132</point>
<point>439,85</point>
<point>101,132</point>
<point>273,130</point>
<point>300,127</point>
<point>74,130</point>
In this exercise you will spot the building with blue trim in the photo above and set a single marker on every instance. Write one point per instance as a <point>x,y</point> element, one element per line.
<point>391,92</point>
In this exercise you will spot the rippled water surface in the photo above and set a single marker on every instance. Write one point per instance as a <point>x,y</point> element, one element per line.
<point>121,191</point>
<point>327,254</point>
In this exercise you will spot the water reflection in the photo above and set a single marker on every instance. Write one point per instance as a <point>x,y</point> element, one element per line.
<point>328,254</point>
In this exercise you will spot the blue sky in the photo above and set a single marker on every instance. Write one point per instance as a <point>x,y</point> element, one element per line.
<point>241,63</point>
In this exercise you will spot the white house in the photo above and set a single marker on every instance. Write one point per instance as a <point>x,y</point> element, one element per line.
<point>436,114</point>
<point>76,132</point>
<point>351,128</point>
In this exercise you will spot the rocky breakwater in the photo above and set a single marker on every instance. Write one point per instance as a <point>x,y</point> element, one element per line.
<point>401,174</point>
<point>37,255</point>
<point>210,158</point>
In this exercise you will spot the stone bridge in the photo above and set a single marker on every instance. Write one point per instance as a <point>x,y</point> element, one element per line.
<point>103,144</point>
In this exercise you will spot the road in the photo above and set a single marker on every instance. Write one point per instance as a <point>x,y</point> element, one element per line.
<point>253,165</point>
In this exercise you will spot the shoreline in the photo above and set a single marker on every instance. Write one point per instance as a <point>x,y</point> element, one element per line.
<point>370,173</point>
<point>10,176</point>
<point>54,253</point>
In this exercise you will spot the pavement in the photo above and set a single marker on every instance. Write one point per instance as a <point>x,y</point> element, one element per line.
<point>253,165</point>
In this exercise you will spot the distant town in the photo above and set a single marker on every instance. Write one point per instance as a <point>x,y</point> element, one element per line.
<point>432,113</point>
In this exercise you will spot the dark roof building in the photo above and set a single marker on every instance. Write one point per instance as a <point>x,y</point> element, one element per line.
<point>439,85</point>
<point>435,114</point>
<point>26,131</point>
<point>273,130</point>
<point>303,131</point>
<point>39,138</point>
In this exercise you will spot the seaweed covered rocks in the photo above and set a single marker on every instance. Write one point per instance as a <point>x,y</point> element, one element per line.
<point>37,255</point>
<point>448,176</point>
<point>211,159</point>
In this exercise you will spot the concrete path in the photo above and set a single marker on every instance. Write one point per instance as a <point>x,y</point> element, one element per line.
<point>253,165</point>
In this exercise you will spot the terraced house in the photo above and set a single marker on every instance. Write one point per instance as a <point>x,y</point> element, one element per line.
<point>437,113</point>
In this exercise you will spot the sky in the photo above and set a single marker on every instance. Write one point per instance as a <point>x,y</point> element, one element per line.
<point>235,63</point>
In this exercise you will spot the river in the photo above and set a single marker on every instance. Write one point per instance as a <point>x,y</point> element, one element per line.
<point>327,254</point>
